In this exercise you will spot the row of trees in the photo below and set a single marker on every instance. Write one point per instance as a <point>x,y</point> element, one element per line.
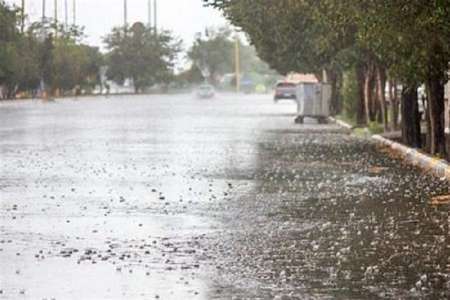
<point>141,54</point>
<point>404,43</point>
<point>45,56</point>
<point>51,58</point>
<point>213,55</point>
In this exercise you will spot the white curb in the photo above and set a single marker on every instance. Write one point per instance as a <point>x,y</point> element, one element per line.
<point>341,123</point>
<point>435,166</point>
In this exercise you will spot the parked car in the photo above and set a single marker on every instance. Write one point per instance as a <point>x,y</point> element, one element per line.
<point>285,90</point>
<point>205,91</point>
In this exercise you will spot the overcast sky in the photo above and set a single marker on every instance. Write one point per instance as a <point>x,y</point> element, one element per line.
<point>183,17</point>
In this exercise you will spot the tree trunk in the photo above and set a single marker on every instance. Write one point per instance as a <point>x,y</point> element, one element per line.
<point>411,135</point>
<point>11,92</point>
<point>334,105</point>
<point>360,111</point>
<point>135,85</point>
<point>436,108</point>
<point>393,97</point>
<point>381,86</point>
<point>367,94</point>
<point>371,105</point>
<point>426,113</point>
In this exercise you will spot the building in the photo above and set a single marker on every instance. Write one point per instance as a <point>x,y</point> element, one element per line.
<point>301,78</point>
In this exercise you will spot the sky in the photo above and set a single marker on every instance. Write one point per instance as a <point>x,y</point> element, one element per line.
<point>183,17</point>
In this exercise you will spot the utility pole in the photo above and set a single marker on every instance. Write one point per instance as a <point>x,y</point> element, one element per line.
<point>125,13</point>
<point>66,14</point>
<point>149,3</point>
<point>74,12</point>
<point>22,25</point>
<point>56,11</point>
<point>56,17</point>
<point>43,11</point>
<point>155,17</point>
<point>237,65</point>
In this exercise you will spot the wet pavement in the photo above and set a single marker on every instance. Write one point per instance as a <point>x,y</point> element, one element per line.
<point>170,197</point>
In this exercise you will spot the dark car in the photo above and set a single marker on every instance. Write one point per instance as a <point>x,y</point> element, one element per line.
<point>285,90</point>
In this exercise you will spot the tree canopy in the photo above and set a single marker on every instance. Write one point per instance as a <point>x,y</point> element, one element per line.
<point>45,52</point>
<point>405,41</point>
<point>148,58</point>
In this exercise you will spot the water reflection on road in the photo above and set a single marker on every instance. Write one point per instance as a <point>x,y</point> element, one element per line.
<point>172,197</point>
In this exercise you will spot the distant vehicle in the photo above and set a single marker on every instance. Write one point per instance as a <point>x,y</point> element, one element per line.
<point>285,90</point>
<point>206,91</point>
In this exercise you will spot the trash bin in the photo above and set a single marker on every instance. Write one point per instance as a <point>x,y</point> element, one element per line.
<point>313,101</point>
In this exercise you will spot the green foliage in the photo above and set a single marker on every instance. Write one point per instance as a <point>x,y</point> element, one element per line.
<point>75,65</point>
<point>142,55</point>
<point>406,39</point>
<point>213,53</point>
<point>46,52</point>
<point>286,33</point>
<point>9,36</point>
<point>192,75</point>
<point>375,128</point>
<point>410,38</point>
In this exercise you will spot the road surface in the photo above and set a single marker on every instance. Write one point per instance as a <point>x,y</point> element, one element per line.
<point>171,197</point>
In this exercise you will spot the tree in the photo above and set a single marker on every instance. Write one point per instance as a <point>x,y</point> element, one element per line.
<point>405,41</point>
<point>289,37</point>
<point>410,38</point>
<point>44,52</point>
<point>9,35</point>
<point>142,55</point>
<point>75,66</point>
<point>213,53</point>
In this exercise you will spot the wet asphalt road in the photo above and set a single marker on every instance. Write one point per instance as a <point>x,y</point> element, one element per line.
<point>170,197</point>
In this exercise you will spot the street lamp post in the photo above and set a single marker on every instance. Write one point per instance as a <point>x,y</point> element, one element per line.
<point>74,12</point>
<point>155,17</point>
<point>22,25</point>
<point>66,14</point>
<point>56,17</point>
<point>149,7</point>
<point>56,11</point>
<point>125,13</point>
<point>43,10</point>
<point>237,65</point>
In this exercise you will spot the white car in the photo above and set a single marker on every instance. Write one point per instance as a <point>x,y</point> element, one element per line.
<point>205,91</point>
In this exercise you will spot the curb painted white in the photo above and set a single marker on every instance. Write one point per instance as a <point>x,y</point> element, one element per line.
<point>435,166</point>
<point>341,123</point>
